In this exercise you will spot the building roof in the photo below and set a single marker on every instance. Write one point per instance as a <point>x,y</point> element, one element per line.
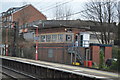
<point>101,45</point>
<point>60,23</point>
<point>13,10</point>
<point>82,24</point>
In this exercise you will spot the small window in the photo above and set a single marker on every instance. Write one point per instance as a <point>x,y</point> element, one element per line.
<point>10,18</point>
<point>81,40</point>
<point>50,53</point>
<point>68,38</point>
<point>43,38</point>
<point>54,38</point>
<point>48,38</point>
<point>60,37</point>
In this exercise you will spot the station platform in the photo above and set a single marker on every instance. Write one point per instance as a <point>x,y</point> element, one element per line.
<point>92,73</point>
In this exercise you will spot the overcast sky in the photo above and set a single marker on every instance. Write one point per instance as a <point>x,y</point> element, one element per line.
<point>45,6</point>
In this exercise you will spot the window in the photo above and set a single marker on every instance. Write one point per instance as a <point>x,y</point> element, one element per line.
<point>68,38</point>
<point>81,40</point>
<point>10,18</point>
<point>48,38</point>
<point>43,38</point>
<point>60,37</point>
<point>50,53</point>
<point>4,19</point>
<point>54,38</point>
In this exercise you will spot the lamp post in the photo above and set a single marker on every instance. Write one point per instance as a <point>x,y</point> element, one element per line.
<point>36,52</point>
<point>6,41</point>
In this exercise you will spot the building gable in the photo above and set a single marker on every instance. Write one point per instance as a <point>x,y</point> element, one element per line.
<point>28,14</point>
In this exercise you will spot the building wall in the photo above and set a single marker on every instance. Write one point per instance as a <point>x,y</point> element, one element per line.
<point>29,36</point>
<point>6,20</point>
<point>58,54</point>
<point>108,53</point>
<point>95,51</point>
<point>59,50</point>
<point>95,54</point>
<point>24,15</point>
<point>60,29</point>
<point>27,15</point>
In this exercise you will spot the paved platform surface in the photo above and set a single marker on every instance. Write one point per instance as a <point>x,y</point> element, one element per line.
<point>68,68</point>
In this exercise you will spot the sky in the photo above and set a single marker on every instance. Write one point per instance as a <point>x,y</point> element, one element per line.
<point>47,7</point>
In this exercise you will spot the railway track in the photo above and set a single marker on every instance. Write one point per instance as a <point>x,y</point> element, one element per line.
<point>7,77</point>
<point>12,74</point>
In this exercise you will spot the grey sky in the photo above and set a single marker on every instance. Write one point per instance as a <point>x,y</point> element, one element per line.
<point>45,5</point>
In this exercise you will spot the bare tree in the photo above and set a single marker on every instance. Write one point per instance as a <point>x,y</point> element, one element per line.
<point>118,9</point>
<point>118,15</point>
<point>23,20</point>
<point>58,12</point>
<point>102,12</point>
<point>68,11</point>
<point>62,12</point>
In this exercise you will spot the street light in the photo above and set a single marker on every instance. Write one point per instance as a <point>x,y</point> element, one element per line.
<point>36,52</point>
<point>6,41</point>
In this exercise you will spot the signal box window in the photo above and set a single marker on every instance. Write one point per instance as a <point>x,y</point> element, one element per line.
<point>54,38</point>
<point>60,37</point>
<point>43,38</point>
<point>48,38</point>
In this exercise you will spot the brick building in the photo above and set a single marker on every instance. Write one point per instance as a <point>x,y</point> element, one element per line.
<point>95,52</point>
<point>23,15</point>
<point>57,42</point>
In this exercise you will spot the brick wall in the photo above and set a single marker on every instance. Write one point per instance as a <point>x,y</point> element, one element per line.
<point>59,29</point>
<point>27,15</point>
<point>95,54</point>
<point>58,55</point>
<point>95,51</point>
<point>52,30</point>
<point>108,52</point>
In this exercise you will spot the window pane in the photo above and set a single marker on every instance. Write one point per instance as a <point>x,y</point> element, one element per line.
<point>60,37</point>
<point>43,39</point>
<point>54,38</point>
<point>68,38</point>
<point>48,38</point>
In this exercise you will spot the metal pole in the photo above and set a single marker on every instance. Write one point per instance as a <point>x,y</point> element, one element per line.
<point>6,41</point>
<point>36,55</point>
<point>86,57</point>
<point>16,31</point>
<point>1,51</point>
<point>75,54</point>
<point>71,57</point>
